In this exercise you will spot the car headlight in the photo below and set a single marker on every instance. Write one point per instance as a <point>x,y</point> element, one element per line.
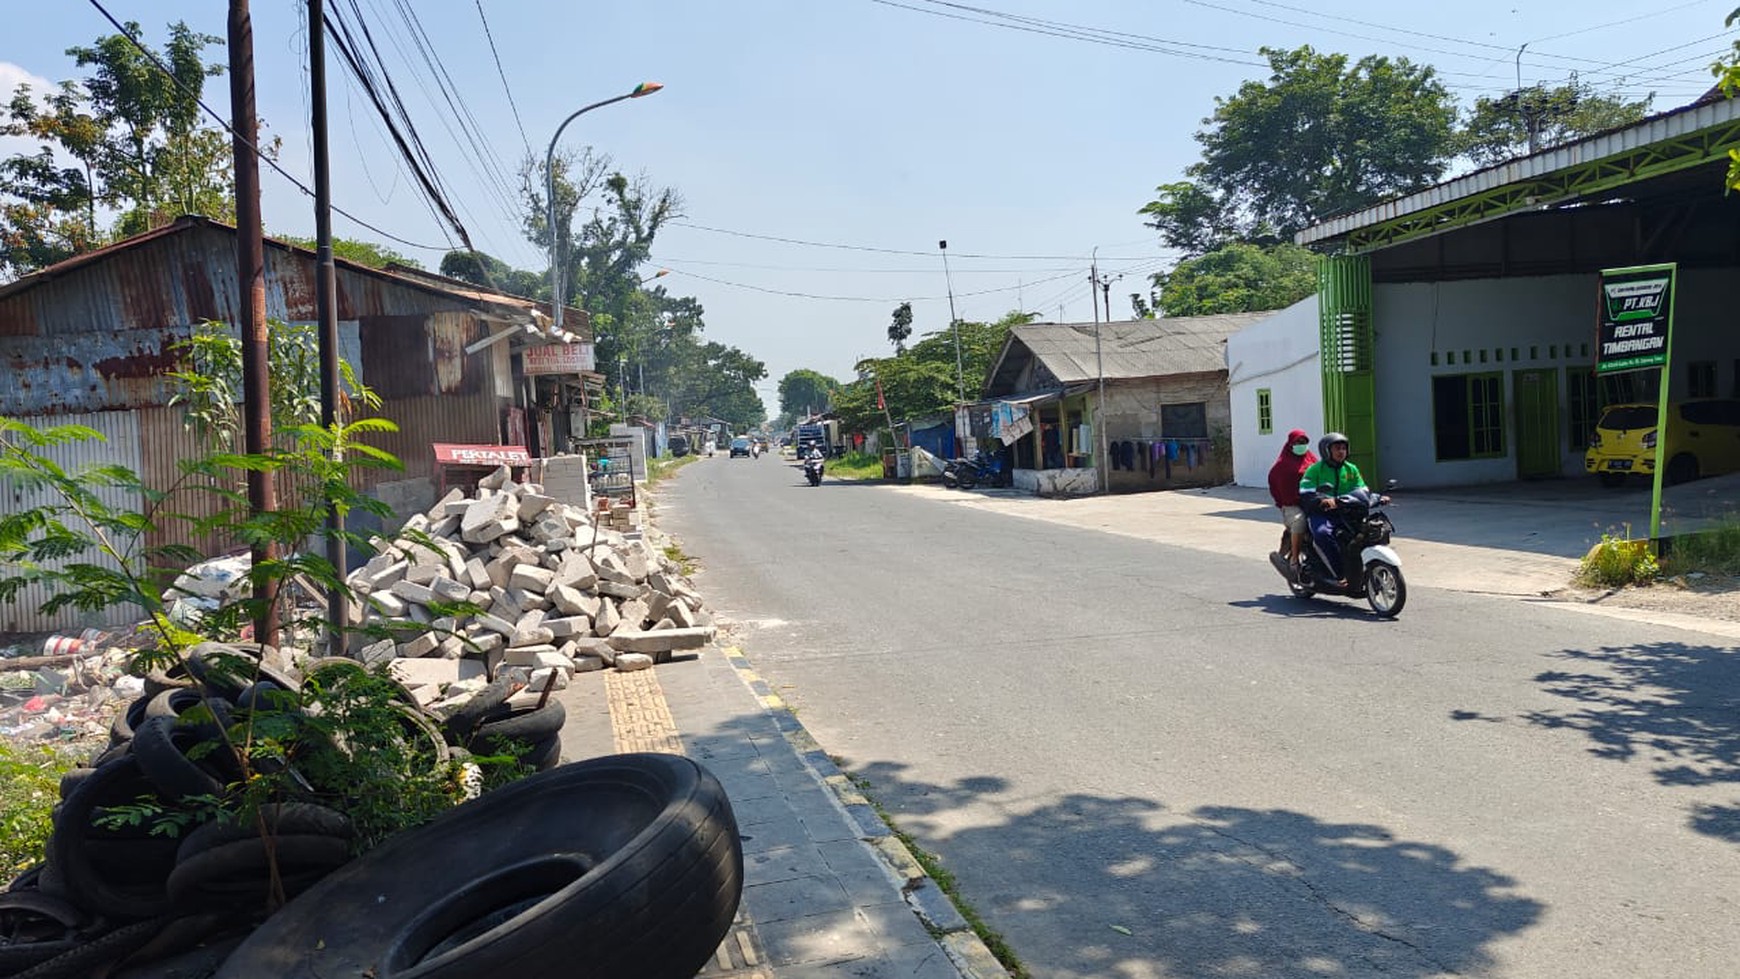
<point>1595,441</point>
<point>1649,440</point>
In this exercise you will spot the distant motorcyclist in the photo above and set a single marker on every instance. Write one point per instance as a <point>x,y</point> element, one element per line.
<point>1330,477</point>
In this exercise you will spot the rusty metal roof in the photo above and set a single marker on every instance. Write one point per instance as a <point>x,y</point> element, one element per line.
<point>1128,349</point>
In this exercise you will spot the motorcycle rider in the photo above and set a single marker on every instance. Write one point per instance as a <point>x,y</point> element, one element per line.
<point>1284,476</point>
<point>1331,476</point>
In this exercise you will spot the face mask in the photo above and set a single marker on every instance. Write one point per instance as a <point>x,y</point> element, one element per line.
<point>1300,450</point>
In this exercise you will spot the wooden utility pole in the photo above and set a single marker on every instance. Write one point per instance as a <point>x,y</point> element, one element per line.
<point>326,312</point>
<point>251,280</point>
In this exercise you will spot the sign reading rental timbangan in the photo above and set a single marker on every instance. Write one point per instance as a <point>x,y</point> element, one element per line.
<point>1637,311</point>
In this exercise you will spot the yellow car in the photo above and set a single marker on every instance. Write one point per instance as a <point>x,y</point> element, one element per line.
<point>1703,440</point>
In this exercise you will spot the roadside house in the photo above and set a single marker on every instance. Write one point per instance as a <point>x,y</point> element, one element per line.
<point>1167,416</point>
<point>89,341</point>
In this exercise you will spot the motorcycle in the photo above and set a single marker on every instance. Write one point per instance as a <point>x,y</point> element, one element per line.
<point>983,467</point>
<point>1372,569</point>
<point>813,471</point>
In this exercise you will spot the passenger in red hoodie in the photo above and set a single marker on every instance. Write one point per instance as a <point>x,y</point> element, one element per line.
<point>1284,476</point>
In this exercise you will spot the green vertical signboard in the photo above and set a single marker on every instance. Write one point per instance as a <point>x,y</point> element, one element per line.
<point>1636,333</point>
<point>1637,311</point>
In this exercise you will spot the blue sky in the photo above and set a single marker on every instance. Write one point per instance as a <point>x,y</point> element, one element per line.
<point>863,123</point>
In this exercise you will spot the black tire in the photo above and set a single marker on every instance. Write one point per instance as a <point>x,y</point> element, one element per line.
<point>1385,589</point>
<point>966,480</point>
<point>544,755</point>
<point>70,779</point>
<point>332,671</point>
<point>163,678</point>
<point>163,750</point>
<point>87,879</point>
<point>522,723</point>
<point>284,819</point>
<point>266,695</point>
<point>26,881</point>
<point>458,723</point>
<point>95,956</point>
<point>16,957</point>
<point>37,927</point>
<point>235,876</point>
<point>222,668</point>
<point>646,885</point>
<point>111,753</point>
<point>1682,468</point>
<point>127,720</point>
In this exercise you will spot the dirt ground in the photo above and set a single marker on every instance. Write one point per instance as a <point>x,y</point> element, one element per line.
<point>1708,596</point>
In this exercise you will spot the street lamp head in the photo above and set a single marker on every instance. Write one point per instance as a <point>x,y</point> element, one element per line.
<point>644,88</point>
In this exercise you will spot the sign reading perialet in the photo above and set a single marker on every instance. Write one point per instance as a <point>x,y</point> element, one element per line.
<point>1637,311</point>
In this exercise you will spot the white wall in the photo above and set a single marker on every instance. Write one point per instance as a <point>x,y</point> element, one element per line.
<point>1278,353</point>
<point>1517,323</point>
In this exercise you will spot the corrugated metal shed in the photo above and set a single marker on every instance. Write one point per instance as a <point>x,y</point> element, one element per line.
<point>1667,125</point>
<point>1064,353</point>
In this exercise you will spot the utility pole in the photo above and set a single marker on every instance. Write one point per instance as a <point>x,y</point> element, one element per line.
<point>954,322</point>
<point>251,282</point>
<point>326,313</point>
<point>1103,462</point>
<point>1522,108</point>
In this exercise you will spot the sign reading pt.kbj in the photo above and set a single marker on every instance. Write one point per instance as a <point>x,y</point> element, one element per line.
<point>1636,315</point>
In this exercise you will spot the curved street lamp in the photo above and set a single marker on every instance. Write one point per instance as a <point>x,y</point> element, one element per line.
<point>644,88</point>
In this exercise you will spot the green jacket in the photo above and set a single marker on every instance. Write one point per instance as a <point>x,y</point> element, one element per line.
<point>1345,478</point>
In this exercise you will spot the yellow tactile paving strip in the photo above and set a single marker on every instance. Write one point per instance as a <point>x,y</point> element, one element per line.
<point>640,720</point>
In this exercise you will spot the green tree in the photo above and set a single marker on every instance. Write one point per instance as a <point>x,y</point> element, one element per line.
<point>720,382</point>
<point>1318,137</point>
<point>922,382</point>
<point>802,391</point>
<point>1728,77</point>
<point>493,273</point>
<point>1499,129</point>
<point>361,252</point>
<point>1237,278</point>
<point>900,327</point>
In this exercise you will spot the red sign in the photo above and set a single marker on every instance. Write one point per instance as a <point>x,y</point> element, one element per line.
<point>482,455</point>
<point>558,358</point>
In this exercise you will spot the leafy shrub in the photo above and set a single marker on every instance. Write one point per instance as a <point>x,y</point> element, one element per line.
<point>1618,561</point>
<point>29,788</point>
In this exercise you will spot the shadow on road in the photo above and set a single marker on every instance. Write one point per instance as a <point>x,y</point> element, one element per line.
<point>1287,606</point>
<point>1667,705</point>
<point>1091,885</point>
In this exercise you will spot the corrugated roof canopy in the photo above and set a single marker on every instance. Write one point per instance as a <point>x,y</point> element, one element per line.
<point>1129,349</point>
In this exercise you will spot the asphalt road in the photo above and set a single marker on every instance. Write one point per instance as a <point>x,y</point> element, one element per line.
<point>1100,734</point>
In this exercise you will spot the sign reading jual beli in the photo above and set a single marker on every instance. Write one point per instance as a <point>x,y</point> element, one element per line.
<point>1637,312</point>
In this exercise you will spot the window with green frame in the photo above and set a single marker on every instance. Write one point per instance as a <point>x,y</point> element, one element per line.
<point>1265,412</point>
<point>1468,416</point>
<point>1583,405</point>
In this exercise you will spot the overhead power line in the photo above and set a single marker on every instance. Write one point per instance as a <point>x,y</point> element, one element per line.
<point>892,299</point>
<point>223,121</point>
<point>904,251</point>
<point>503,76</point>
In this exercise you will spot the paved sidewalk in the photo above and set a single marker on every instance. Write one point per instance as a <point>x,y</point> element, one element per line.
<point>828,892</point>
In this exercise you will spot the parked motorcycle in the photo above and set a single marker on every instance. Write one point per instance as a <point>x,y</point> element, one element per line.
<point>984,467</point>
<point>813,471</point>
<point>1372,568</point>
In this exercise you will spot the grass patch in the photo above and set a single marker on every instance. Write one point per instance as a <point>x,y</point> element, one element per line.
<point>683,561</point>
<point>944,879</point>
<point>29,788</point>
<point>663,467</point>
<point>1618,561</point>
<point>856,465</point>
<point>1714,551</point>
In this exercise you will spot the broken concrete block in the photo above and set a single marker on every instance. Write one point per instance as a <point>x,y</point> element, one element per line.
<point>572,601</point>
<point>388,574</point>
<point>531,578</point>
<point>629,662</point>
<point>530,599</point>
<point>445,526</point>
<point>496,624</point>
<point>417,523</point>
<point>659,641</point>
<point>496,480</point>
<point>529,655</point>
<point>422,574</point>
<point>574,571</point>
<point>588,664</point>
<point>610,567</point>
<point>410,591</point>
<point>535,636</point>
<point>607,619</point>
<point>555,678</point>
<point>452,647</point>
<point>569,626</point>
<point>657,604</point>
<point>532,619</point>
<point>532,504</point>
<point>634,559</point>
<point>448,590</point>
<point>377,652</point>
<point>387,604</point>
<point>476,575</point>
<point>424,644</point>
<point>633,614</point>
<point>420,672</point>
<point>679,613</point>
<point>484,642</point>
<point>617,589</point>
<point>489,518</point>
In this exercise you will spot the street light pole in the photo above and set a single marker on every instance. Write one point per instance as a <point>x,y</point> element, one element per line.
<point>954,322</point>
<point>1104,463</point>
<point>644,88</point>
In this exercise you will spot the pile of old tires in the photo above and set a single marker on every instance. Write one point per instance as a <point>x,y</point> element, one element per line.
<point>631,863</point>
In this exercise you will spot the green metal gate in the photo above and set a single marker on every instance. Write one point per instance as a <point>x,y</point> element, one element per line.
<point>1345,343</point>
<point>1537,423</point>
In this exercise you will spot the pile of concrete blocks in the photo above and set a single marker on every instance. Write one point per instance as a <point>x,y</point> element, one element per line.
<point>549,592</point>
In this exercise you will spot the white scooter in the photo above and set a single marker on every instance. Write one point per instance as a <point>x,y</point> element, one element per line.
<point>1373,569</point>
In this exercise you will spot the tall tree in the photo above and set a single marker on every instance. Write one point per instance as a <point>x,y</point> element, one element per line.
<point>804,391</point>
<point>1236,278</point>
<point>900,327</point>
<point>1318,137</point>
<point>493,273</point>
<point>1503,128</point>
<point>1728,78</point>
<point>921,382</point>
<point>361,252</point>
<point>134,136</point>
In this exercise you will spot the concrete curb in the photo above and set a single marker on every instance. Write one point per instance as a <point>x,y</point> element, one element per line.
<point>969,954</point>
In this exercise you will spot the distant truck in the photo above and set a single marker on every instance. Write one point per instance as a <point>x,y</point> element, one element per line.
<point>824,433</point>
